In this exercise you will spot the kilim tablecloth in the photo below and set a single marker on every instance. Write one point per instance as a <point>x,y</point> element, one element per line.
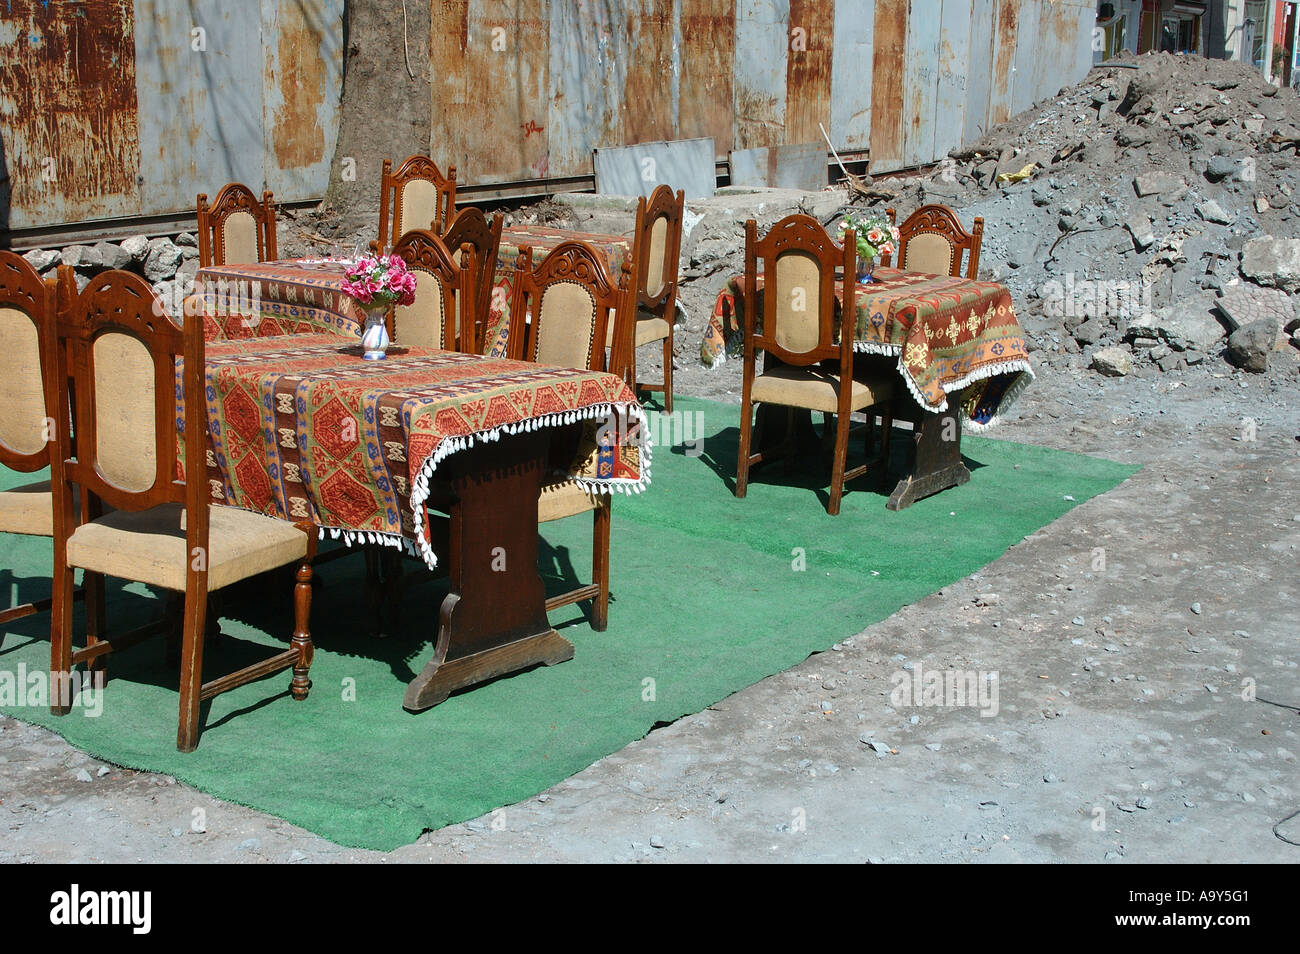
<point>541,240</point>
<point>302,426</point>
<point>949,334</point>
<point>295,296</point>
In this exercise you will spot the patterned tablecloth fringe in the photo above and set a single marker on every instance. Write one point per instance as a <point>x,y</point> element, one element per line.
<point>420,488</point>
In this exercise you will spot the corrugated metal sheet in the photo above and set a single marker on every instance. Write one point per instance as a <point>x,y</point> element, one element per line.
<point>141,104</point>
<point>908,80</point>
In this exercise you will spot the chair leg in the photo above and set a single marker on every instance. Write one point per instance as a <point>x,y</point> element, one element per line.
<point>193,632</point>
<point>600,566</point>
<point>841,453</point>
<point>742,459</point>
<point>668,372</point>
<point>300,685</point>
<point>61,640</point>
<point>95,625</point>
<point>886,429</point>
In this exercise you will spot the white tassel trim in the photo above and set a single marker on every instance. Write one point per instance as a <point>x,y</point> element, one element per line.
<point>634,412</point>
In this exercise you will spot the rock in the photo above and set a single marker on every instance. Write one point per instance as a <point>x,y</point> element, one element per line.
<point>113,256</point>
<point>1261,204</point>
<point>42,260</point>
<point>83,775</point>
<point>187,240</point>
<point>1249,346</point>
<point>1114,362</point>
<point>657,841</point>
<point>1272,261</point>
<point>1211,211</point>
<point>162,260</point>
<point>1139,226</point>
<point>83,258</point>
<point>1247,303</point>
<point>249,844</point>
<point>1158,352</point>
<point>1152,183</point>
<point>1170,362</point>
<point>1187,331</point>
<point>137,246</point>
<point>1090,331</point>
<point>1220,168</point>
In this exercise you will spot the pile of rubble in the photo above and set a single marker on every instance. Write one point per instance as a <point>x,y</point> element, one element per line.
<point>168,265</point>
<point>1145,218</point>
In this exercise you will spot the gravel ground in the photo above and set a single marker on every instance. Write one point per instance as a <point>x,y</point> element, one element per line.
<point>1121,734</point>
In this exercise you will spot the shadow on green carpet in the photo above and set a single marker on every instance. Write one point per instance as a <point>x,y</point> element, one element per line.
<point>710,594</point>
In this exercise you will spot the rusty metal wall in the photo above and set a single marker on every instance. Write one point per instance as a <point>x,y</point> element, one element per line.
<point>124,108</point>
<point>525,89</point>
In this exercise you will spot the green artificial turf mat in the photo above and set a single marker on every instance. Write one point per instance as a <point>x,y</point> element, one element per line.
<point>708,599</point>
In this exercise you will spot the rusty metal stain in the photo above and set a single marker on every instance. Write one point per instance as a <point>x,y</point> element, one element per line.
<point>887,80</point>
<point>808,71</point>
<point>1004,44</point>
<point>491,89</point>
<point>647,102</point>
<point>708,50</point>
<point>68,111</point>
<point>299,74</point>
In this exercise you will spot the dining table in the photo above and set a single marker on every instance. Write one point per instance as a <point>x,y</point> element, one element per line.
<point>283,297</point>
<point>955,344</point>
<point>436,453</point>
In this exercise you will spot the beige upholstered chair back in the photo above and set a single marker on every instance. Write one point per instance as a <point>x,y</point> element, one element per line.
<point>657,248</point>
<point>562,309</point>
<point>26,307</point>
<point>929,252</point>
<point>441,292</point>
<point>415,197</point>
<point>792,313</point>
<point>796,288</point>
<point>567,331</point>
<point>125,435</point>
<point>422,324</point>
<point>238,228</point>
<point>120,350</point>
<point>933,240</point>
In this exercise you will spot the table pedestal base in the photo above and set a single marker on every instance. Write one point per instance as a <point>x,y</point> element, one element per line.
<point>493,619</point>
<point>936,462</point>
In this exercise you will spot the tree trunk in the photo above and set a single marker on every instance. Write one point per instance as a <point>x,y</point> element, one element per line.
<point>385,113</point>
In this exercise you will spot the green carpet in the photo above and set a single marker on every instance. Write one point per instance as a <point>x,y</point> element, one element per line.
<point>707,600</point>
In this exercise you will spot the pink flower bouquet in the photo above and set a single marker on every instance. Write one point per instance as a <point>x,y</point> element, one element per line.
<point>377,282</point>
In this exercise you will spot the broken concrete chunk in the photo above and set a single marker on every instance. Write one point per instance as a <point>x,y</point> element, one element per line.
<point>1272,261</point>
<point>1151,183</point>
<point>43,260</point>
<point>1139,226</point>
<point>1249,346</point>
<point>1247,303</point>
<point>1211,211</point>
<point>1114,362</point>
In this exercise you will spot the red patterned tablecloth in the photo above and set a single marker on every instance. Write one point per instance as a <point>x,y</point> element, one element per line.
<point>541,239</point>
<point>302,426</point>
<point>289,297</point>
<point>950,334</point>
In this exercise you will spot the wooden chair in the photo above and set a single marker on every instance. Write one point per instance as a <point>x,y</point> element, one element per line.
<point>471,227</point>
<point>657,245</point>
<point>28,405</point>
<point>120,350</point>
<point>444,294</point>
<point>572,300</point>
<point>416,196</point>
<point>237,229</point>
<point>933,240</point>
<point>798,310</point>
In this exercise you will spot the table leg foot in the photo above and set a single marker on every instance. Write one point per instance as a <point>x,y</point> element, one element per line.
<point>440,680</point>
<point>911,489</point>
